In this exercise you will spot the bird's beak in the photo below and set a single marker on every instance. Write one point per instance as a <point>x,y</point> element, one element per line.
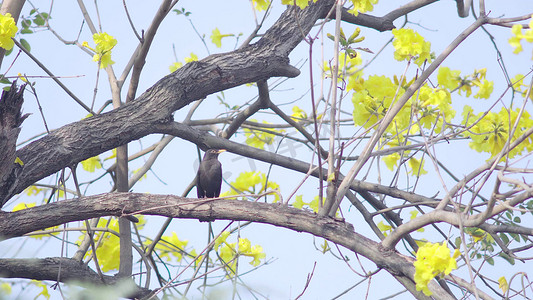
<point>221,150</point>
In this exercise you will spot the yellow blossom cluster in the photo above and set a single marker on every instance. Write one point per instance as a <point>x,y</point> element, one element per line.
<point>489,132</point>
<point>427,109</point>
<point>251,183</point>
<point>408,45</point>
<point>362,6</point>
<point>171,247</point>
<point>8,29</point>
<point>259,139</point>
<point>518,36</point>
<point>102,52</point>
<point>108,251</point>
<point>432,260</point>
<point>229,252</point>
<point>452,80</point>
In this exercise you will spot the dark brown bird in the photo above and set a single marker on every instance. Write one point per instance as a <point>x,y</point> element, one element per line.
<point>209,177</point>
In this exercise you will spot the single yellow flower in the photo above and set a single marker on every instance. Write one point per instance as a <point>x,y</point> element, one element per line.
<point>216,37</point>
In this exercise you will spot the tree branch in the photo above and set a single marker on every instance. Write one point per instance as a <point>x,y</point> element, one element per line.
<point>17,223</point>
<point>62,269</point>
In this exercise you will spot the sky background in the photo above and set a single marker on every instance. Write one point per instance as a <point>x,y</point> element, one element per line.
<point>291,255</point>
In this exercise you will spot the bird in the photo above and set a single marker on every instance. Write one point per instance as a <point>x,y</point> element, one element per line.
<point>209,176</point>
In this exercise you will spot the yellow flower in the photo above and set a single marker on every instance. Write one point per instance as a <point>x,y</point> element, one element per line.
<point>257,253</point>
<point>417,167</point>
<point>448,78</point>
<point>384,228</point>
<point>300,3</point>
<point>22,206</point>
<point>391,160</point>
<point>362,6</point>
<point>44,288</point>
<point>253,183</point>
<point>518,36</point>
<point>91,164</point>
<point>174,66</point>
<point>485,89</point>
<point>8,29</point>
<point>515,40</point>
<point>216,37</point>
<point>409,44</point>
<point>298,202</point>
<point>502,284</point>
<point>5,288</point>
<point>104,44</point>
<point>190,58</point>
<point>373,100</point>
<point>33,190</point>
<point>261,4</point>
<point>109,250</point>
<point>432,260</point>
<point>492,132</point>
<point>259,139</point>
<point>298,113</point>
<point>171,246</point>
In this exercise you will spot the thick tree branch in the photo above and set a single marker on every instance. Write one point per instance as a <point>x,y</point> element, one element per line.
<point>11,119</point>
<point>64,269</point>
<point>17,223</point>
<point>80,140</point>
<point>205,140</point>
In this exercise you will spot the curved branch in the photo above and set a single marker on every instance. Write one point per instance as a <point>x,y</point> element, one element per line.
<point>17,223</point>
<point>62,269</point>
<point>267,58</point>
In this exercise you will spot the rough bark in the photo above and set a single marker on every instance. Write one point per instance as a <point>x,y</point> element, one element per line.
<point>77,141</point>
<point>60,269</point>
<point>11,119</point>
<point>13,224</point>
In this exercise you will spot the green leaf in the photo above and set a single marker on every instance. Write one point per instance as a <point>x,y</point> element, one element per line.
<point>507,258</point>
<point>25,23</point>
<point>504,238</point>
<point>517,220</point>
<point>182,12</point>
<point>39,20</point>
<point>458,242</point>
<point>490,260</point>
<point>25,44</point>
<point>26,31</point>
<point>4,80</point>
<point>509,215</point>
